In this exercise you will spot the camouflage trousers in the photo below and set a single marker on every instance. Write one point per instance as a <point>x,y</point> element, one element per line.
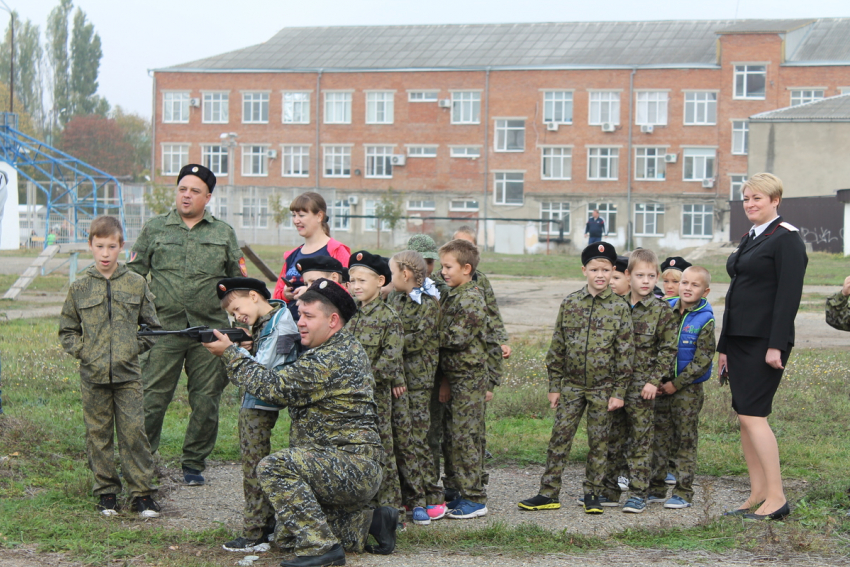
<point>630,438</point>
<point>321,497</point>
<point>410,474</point>
<point>464,414</point>
<point>429,492</point>
<point>255,432</point>
<point>206,381</point>
<point>110,410</point>
<point>677,420</point>
<point>571,406</point>
<point>435,436</point>
<point>389,493</point>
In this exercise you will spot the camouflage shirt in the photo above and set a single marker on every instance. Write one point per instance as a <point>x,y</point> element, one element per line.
<point>377,327</point>
<point>328,390</point>
<point>656,335</point>
<point>99,323</point>
<point>496,332</point>
<point>838,312</point>
<point>703,357</point>
<point>185,266</point>
<point>593,343</point>
<point>421,339</point>
<point>463,327</point>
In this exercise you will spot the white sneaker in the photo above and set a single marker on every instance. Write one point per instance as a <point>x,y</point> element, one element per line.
<point>623,482</point>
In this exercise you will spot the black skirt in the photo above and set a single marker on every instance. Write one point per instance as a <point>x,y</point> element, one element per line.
<point>753,382</point>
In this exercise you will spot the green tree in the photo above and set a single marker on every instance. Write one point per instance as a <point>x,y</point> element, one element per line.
<point>137,133</point>
<point>28,68</point>
<point>389,210</point>
<point>60,62</point>
<point>86,54</point>
<point>280,213</point>
<point>159,198</point>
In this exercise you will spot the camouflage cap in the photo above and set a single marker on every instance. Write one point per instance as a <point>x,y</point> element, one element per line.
<point>425,245</point>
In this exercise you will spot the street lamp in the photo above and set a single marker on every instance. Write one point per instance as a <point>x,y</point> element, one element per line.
<point>229,141</point>
<point>11,57</point>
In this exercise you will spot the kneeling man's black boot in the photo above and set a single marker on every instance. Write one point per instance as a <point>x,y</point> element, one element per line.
<point>336,556</point>
<point>384,524</point>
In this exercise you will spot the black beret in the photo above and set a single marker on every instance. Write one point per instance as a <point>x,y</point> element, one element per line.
<point>227,285</point>
<point>337,295</point>
<point>622,264</point>
<point>675,263</point>
<point>377,264</point>
<point>601,250</point>
<point>319,264</point>
<point>198,171</point>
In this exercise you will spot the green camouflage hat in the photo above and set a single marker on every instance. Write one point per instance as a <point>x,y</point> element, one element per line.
<point>425,245</point>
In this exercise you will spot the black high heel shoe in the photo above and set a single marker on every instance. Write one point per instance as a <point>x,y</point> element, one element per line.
<point>780,514</point>
<point>741,511</point>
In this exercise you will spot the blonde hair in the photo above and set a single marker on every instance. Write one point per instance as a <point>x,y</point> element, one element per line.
<point>765,183</point>
<point>312,202</point>
<point>465,252</point>
<point>468,231</point>
<point>706,276</point>
<point>672,272</point>
<point>413,261</point>
<point>642,255</point>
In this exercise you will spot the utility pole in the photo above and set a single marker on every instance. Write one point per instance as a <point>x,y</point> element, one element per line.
<point>11,57</point>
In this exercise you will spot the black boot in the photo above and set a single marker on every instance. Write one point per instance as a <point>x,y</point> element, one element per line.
<point>384,524</point>
<point>336,556</point>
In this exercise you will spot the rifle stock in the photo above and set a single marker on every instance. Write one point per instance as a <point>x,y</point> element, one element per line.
<point>202,334</point>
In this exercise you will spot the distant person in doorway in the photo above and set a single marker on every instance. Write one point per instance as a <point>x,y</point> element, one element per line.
<point>595,228</point>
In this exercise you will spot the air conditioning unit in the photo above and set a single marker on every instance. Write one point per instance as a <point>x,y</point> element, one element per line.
<point>444,103</point>
<point>608,126</point>
<point>352,200</point>
<point>196,102</point>
<point>272,154</point>
<point>671,158</point>
<point>647,128</point>
<point>552,126</point>
<point>398,159</point>
<point>708,183</point>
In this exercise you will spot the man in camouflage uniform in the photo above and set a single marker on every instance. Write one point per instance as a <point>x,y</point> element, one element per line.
<point>185,252</point>
<point>838,311</point>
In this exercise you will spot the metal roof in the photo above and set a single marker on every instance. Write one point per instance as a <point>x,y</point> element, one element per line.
<point>832,109</point>
<point>557,45</point>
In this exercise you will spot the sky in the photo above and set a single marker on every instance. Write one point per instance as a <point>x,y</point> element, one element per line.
<point>139,35</point>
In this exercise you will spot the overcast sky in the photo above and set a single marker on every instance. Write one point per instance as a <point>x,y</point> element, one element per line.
<point>139,35</point>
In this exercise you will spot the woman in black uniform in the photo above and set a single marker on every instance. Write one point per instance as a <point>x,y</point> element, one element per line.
<point>767,273</point>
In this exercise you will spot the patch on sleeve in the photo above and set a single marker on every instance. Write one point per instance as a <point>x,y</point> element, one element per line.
<point>242,267</point>
<point>789,226</point>
<point>133,255</point>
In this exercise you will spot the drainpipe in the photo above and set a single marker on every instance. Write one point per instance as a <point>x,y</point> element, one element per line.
<point>629,162</point>
<point>153,130</point>
<point>486,148</point>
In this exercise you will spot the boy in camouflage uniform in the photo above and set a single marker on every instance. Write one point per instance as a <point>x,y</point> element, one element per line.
<point>590,365</point>
<point>98,326</point>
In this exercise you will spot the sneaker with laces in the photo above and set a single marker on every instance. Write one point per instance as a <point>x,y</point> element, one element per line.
<point>592,504</point>
<point>146,507</point>
<point>623,483</point>
<point>108,505</point>
<point>670,479</point>
<point>467,509</point>
<point>656,499</point>
<point>603,500</point>
<point>420,516</point>
<point>539,502</point>
<point>634,505</point>
<point>454,503</point>
<point>192,477</point>
<point>677,502</point>
<point>245,545</point>
<point>436,511</point>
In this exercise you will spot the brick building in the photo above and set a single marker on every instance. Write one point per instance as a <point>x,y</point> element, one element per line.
<point>646,121</point>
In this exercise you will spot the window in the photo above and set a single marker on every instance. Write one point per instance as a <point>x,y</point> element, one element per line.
<point>337,161</point>
<point>466,107</point>
<point>422,151</point>
<point>750,81</point>
<point>554,212</point>
<point>740,136</point>
<point>219,207</point>
<point>608,212</point>
<point>557,163</point>
<point>296,108</point>
<point>510,135</point>
<point>174,157</point>
<point>699,164</point>
<point>372,224</point>
<point>652,108</point>
<point>379,108</point>
<point>420,205</point>
<point>602,163</point>
<point>700,109</point>
<point>339,215</point>
<point>697,220</point>
<point>255,108</point>
<point>337,108</point>
<point>422,96</point>
<point>466,151</point>
<point>254,161</point>
<point>650,164</point>
<point>175,108</point>
<point>649,219</point>
<point>804,96</point>
<point>508,188</point>
<point>736,187</point>
<point>255,212</point>
<point>216,108</point>
<point>604,107</point>
<point>215,158</point>
<point>844,90</point>
<point>463,205</point>
<point>379,161</point>
<point>296,161</point>
<point>558,107</point>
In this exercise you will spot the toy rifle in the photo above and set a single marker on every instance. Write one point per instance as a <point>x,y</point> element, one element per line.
<point>202,334</point>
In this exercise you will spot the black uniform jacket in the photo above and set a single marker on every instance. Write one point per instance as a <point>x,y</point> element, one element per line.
<point>767,284</point>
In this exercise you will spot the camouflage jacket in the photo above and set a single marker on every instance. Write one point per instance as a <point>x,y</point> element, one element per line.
<point>185,265</point>
<point>463,328</point>
<point>377,327</point>
<point>329,391</point>
<point>496,333</point>
<point>421,339</point>
<point>656,340</point>
<point>838,312</point>
<point>593,343</point>
<point>99,323</point>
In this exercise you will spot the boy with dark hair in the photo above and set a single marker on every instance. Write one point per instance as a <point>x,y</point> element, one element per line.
<point>98,326</point>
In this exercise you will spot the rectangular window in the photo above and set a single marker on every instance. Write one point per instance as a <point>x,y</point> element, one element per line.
<point>379,161</point>
<point>379,108</point>
<point>422,96</point>
<point>602,163</point>
<point>422,151</point>
<point>463,205</point>
<point>255,108</point>
<point>510,135</point>
<point>740,136</point>
<point>554,212</point>
<point>296,108</point>
<point>508,188</point>
<point>700,109</point>
<point>557,163</point>
<point>466,107</point>
<point>339,215</point>
<point>255,161</point>
<point>608,213</point>
<point>255,212</point>
<point>215,158</point>
<point>337,161</point>
<point>604,107</point>
<point>296,161</point>
<point>649,219</point>
<point>697,220</point>
<point>750,81</point>
<point>650,164</point>
<point>558,107</point>
<point>216,108</point>
<point>466,152</point>
<point>651,108</point>
<point>219,207</point>
<point>806,95</point>
<point>174,157</point>
<point>371,224</point>
<point>420,205</point>
<point>175,108</point>
<point>736,188</point>
<point>699,164</point>
<point>337,108</point>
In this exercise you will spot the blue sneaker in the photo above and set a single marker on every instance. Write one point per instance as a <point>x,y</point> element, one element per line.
<point>671,480</point>
<point>656,499</point>
<point>466,509</point>
<point>421,517</point>
<point>635,505</point>
<point>454,503</point>
<point>192,477</point>
<point>677,502</point>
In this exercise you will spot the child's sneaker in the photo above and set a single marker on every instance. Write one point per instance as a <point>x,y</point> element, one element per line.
<point>146,507</point>
<point>467,509</point>
<point>677,502</point>
<point>592,505</point>
<point>603,500</point>
<point>670,479</point>
<point>436,511</point>
<point>539,502</point>
<point>656,499</point>
<point>192,477</point>
<point>420,516</point>
<point>244,545</point>
<point>635,505</point>
<point>623,483</point>
<point>108,505</point>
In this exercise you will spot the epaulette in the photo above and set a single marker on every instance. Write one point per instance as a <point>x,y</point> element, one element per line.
<point>789,226</point>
